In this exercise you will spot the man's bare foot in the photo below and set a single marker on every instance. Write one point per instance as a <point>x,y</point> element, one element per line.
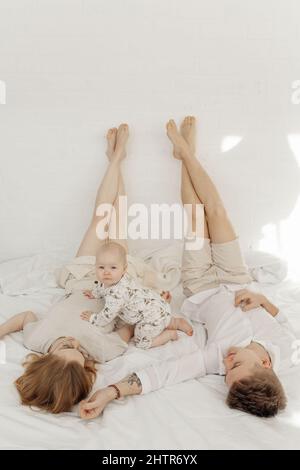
<point>179,323</point>
<point>111,138</point>
<point>181,147</point>
<point>188,132</point>
<point>121,140</point>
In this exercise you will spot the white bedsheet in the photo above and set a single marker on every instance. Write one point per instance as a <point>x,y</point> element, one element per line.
<point>191,415</point>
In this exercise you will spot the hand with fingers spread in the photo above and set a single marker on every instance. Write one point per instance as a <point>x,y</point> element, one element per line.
<point>88,293</point>
<point>86,315</point>
<point>166,295</point>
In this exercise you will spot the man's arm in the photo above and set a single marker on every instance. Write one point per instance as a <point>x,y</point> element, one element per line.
<point>248,300</point>
<point>269,307</point>
<point>147,380</point>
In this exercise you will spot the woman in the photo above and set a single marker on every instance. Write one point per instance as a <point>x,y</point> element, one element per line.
<point>64,371</point>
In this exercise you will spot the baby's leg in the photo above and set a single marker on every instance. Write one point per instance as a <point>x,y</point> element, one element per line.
<point>17,323</point>
<point>126,332</point>
<point>164,337</point>
<point>179,323</point>
<point>149,335</point>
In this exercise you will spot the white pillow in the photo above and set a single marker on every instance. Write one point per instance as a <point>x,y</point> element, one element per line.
<point>30,274</point>
<point>266,268</point>
<point>34,273</point>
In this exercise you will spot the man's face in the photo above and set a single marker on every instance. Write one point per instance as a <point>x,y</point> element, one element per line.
<point>239,363</point>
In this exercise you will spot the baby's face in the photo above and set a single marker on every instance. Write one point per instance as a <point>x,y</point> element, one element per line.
<point>109,268</point>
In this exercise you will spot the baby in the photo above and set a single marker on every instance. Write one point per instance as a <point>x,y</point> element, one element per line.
<point>132,303</point>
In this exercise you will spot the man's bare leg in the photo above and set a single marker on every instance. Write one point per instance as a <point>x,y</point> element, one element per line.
<point>188,193</point>
<point>219,226</point>
<point>107,193</point>
<point>17,323</point>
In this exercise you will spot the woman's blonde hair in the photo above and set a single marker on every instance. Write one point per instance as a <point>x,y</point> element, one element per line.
<point>52,384</point>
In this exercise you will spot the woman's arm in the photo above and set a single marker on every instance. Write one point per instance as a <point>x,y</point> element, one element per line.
<point>17,322</point>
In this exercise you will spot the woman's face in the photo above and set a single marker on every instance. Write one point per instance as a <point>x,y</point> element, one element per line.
<point>69,349</point>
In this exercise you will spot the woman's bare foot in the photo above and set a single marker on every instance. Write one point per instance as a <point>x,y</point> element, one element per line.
<point>111,138</point>
<point>181,147</point>
<point>179,323</point>
<point>121,140</point>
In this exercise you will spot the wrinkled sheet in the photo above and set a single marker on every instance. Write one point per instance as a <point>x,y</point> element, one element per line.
<point>191,415</point>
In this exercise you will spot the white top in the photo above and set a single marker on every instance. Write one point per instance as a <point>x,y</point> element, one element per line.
<point>63,319</point>
<point>226,326</point>
<point>130,301</point>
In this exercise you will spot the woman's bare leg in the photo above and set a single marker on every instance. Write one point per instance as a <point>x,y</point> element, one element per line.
<point>219,226</point>
<point>17,323</point>
<point>117,231</point>
<point>107,192</point>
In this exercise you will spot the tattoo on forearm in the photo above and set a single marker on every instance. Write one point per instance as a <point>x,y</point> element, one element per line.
<point>133,379</point>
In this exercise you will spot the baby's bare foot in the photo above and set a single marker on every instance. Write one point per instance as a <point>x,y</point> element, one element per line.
<point>173,335</point>
<point>121,140</point>
<point>179,323</point>
<point>111,138</point>
<point>181,147</point>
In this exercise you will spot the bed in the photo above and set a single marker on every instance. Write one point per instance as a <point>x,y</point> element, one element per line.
<point>190,415</point>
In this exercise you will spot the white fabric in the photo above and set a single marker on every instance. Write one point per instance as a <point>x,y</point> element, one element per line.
<point>226,326</point>
<point>63,319</point>
<point>189,415</point>
<point>161,274</point>
<point>30,274</point>
<point>160,267</point>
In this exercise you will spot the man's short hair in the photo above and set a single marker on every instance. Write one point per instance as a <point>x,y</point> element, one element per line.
<point>260,394</point>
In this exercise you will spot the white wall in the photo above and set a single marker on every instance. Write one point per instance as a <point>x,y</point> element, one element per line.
<point>73,68</point>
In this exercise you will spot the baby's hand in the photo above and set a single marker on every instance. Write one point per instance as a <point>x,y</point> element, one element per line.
<point>166,295</point>
<point>88,293</point>
<point>86,315</point>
